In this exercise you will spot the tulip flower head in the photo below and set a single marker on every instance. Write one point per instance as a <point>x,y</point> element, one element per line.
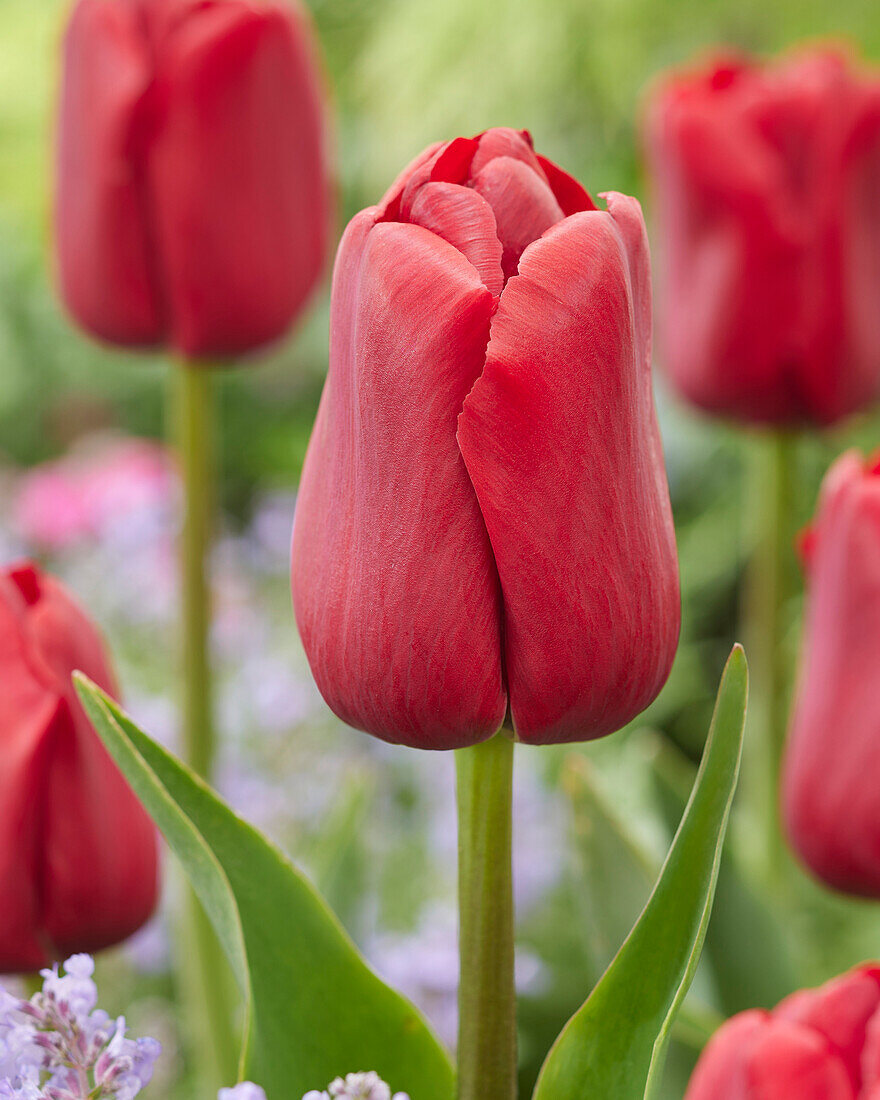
<point>818,1044</point>
<point>765,179</point>
<point>192,189</point>
<point>483,520</point>
<point>831,798</point>
<point>77,851</point>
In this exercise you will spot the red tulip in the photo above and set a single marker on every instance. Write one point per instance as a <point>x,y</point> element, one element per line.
<point>192,195</point>
<point>77,851</point>
<point>484,519</point>
<point>818,1044</point>
<point>831,793</point>
<point>766,187</point>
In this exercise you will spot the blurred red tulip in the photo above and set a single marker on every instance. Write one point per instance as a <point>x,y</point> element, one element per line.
<point>77,851</point>
<point>484,518</point>
<point>818,1044</point>
<point>767,181</point>
<point>831,793</point>
<point>192,192</point>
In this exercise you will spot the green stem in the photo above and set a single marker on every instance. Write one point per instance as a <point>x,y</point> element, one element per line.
<point>195,440</point>
<point>204,968</point>
<point>487,995</point>
<point>772,582</point>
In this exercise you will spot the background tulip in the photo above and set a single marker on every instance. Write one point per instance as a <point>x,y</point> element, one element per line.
<point>484,520</point>
<point>77,851</point>
<point>830,792</point>
<point>192,193</point>
<point>818,1044</point>
<point>765,180</point>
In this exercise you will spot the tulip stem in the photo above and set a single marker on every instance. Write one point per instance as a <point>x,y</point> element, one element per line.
<point>487,994</point>
<point>195,438</point>
<point>771,584</point>
<point>204,968</point>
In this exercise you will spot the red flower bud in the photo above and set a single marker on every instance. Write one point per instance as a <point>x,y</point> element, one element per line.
<point>77,851</point>
<point>831,795</point>
<point>766,186</point>
<point>192,204</point>
<point>818,1044</point>
<point>484,519</point>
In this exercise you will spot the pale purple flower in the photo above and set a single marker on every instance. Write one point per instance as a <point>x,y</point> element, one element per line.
<point>247,1090</point>
<point>59,1046</point>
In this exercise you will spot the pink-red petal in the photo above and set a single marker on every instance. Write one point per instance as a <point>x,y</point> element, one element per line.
<point>463,218</point>
<point>106,265</point>
<point>840,1011</point>
<point>523,203</point>
<point>394,582</point>
<point>721,1071</point>
<point>238,174</point>
<point>561,442</point>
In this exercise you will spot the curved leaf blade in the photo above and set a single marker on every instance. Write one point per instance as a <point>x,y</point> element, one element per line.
<point>315,1009</point>
<point>615,1045</point>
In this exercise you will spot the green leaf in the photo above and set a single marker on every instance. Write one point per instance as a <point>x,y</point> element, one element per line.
<point>315,1009</point>
<point>748,946</point>
<point>615,1045</point>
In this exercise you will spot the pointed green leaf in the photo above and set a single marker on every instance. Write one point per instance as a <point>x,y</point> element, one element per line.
<point>748,946</point>
<point>315,1008</point>
<point>615,1045</point>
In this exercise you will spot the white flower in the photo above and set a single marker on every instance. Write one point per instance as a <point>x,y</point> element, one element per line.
<point>247,1090</point>
<point>357,1086</point>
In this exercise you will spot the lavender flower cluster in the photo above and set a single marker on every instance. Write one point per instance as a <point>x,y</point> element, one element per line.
<point>357,1086</point>
<point>59,1046</point>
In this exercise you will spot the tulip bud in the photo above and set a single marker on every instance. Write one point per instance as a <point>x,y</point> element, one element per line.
<point>483,519</point>
<point>766,192</point>
<point>77,851</point>
<point>831,797</point>
<point>818,1044</point>
<point>192,193</point>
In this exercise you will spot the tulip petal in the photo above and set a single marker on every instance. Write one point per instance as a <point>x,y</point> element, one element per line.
<point>98,879</point>
<point>721,1071</point>
<point>238,99</point>
<point>523,203</point>
<point>502,141</point>
<point>394,583</point>
<point>26,711</point>
<point>832,815</point>
<point>389,204</point>
<point>571,195</point>
<point>105,254</point>
<point>840,1011</point>
<point>765,177</point>
<point>450,164</point>
<point>560,439</point>
<point>464,218</point>
<point>787,1061</point>
<point>80,873</point>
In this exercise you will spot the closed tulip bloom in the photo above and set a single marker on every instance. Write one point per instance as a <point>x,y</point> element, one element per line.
<point>831,793</point>
<point>192,201</point>
<point>766,196</point>
<point>77,851</point>
<point>818,1044</point>
<point>483,519</point>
